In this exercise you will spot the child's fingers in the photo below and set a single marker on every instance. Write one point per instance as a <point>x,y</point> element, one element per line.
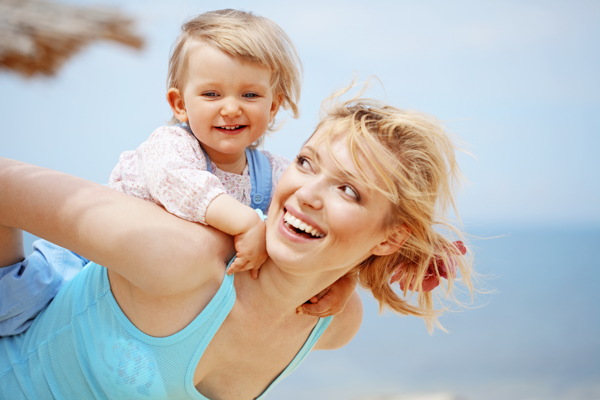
<point>237,266</point>
<point>240,265</point>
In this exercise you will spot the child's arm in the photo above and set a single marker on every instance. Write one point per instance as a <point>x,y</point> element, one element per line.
<point>170,169</point>
<point>234,218</point>
<point>333,300</point>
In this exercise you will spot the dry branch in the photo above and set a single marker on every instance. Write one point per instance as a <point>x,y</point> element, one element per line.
<point>37,37</point>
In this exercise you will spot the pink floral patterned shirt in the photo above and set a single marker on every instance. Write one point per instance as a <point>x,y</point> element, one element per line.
<point>170,169</point>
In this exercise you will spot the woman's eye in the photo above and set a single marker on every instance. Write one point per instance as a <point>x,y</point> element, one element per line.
<point>350,191</point>
<point>303,162</point>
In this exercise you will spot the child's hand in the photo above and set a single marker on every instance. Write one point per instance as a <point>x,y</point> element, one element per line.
<point>332,300</point>
<point>251,250</point>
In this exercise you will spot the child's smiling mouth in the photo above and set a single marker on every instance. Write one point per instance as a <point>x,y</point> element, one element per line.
<point>231,128</point>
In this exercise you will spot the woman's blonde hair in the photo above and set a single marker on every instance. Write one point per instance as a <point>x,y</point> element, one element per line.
<point>248,37</point>
<point>413,159</point>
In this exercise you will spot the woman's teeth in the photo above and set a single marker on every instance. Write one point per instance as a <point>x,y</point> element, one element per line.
<point>302,226</point>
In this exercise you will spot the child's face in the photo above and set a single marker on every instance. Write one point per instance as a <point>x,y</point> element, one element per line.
<point>228,102</point>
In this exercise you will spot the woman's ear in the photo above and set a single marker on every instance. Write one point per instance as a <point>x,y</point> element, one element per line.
<point>393,243</point>
<point>177,104</point>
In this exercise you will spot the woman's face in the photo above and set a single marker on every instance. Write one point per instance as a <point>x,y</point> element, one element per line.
<point>321,217</point>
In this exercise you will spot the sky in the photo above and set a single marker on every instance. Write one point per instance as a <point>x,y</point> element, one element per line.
<point>516,82</point>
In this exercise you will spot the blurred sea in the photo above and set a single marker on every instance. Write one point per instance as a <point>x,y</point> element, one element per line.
<point>537,337</point>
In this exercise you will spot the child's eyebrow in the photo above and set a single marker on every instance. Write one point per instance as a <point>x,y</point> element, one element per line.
<point>257,85</point>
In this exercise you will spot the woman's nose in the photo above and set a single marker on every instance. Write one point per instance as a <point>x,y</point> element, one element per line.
<point>231,108</point>
<point>311,193</point>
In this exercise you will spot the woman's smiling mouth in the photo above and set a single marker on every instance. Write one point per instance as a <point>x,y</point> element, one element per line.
<point>300,226</point>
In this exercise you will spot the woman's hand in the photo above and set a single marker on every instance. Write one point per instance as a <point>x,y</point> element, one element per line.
<point>332,300</point>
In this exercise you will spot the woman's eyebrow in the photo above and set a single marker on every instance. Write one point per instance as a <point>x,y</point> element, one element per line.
<point>349,176</point>
<point>312,151</point>
<point>341,173</point>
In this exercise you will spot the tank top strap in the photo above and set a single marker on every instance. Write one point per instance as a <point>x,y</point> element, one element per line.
<point>311,341</point>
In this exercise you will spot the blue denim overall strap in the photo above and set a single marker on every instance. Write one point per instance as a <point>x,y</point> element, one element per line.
<point>208,162</point>
<point>261,176</point>
<point>259,168</point>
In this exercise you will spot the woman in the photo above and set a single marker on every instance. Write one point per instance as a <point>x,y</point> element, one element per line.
<point>163,320</point>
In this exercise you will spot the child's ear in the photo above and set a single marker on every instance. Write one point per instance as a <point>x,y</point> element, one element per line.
<point>393,243</point>
<point>175,100</point>
<point>277,101</point>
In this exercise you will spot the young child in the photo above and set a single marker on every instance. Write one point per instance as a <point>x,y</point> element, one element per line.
<point>229,74</point>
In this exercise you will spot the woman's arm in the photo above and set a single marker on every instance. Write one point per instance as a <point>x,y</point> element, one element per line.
<point>152,249</point>
<point>11,246</point>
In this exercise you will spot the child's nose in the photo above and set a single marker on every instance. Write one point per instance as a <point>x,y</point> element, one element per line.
<point>231,108</point>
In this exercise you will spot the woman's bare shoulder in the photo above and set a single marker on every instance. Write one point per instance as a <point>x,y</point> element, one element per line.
<point>344,326</point>
<point>154,314</point>
<point>181,273</point>
<point>173,255</point>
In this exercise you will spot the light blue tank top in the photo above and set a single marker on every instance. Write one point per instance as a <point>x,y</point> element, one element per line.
<point>83,347</point>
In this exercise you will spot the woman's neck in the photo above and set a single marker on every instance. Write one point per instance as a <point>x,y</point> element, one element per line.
<point>278,292</point>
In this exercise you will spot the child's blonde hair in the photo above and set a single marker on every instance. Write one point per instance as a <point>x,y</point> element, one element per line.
<point>246,36</point>
<point>414,161</point>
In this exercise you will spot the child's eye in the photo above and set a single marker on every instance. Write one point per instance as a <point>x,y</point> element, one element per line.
<point>210,94</point>
<point>350,192</point>
<point>251,95</point>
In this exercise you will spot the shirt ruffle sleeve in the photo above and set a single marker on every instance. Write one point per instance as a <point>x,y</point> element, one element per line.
<point>172,168</point>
